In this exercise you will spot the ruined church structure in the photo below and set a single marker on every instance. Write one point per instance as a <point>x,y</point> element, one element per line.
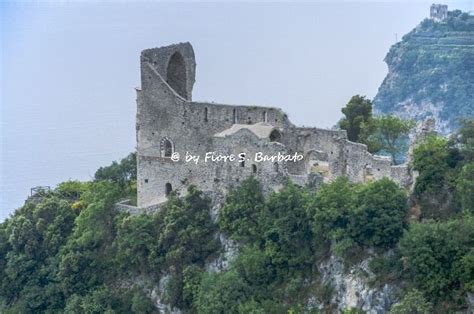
<point>170,122</point>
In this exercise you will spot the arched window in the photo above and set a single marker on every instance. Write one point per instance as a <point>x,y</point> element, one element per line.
<point>176,74</point>
<point>205,114</point>
<point>168,189</point>
<point>275,136</point>
<point>275,166</point>
<point>166,147</point>
<point>254,168</point>
<point>234,116</point>
<point>264,116</point>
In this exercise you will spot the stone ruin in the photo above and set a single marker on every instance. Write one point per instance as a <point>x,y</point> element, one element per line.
<point>438,12</point>
<point>169,123</point>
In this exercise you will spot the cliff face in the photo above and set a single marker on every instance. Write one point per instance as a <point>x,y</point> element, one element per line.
<point>431,72</point>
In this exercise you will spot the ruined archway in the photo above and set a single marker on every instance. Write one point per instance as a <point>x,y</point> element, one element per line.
<point>275,136</point>
<point>176,74</point>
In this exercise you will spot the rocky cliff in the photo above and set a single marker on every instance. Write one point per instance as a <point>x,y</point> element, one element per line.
<point>431,72</point>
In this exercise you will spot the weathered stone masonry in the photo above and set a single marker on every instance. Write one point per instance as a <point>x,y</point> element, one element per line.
<point>169,121</point>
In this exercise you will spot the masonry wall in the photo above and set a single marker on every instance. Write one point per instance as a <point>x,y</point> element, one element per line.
<point>164,112</point>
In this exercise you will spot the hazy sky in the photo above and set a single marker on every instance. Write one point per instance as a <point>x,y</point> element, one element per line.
<point>68,70</point>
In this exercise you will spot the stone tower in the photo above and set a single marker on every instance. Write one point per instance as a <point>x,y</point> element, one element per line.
<point>438,12</point>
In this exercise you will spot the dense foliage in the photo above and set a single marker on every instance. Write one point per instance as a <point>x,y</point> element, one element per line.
<point>358,216</point>
<point>387,135</point>
<point>357,112</point>
<point>444,186</point>
<point>438,258</point>
<point>412,303</point>
<point>69,250</point>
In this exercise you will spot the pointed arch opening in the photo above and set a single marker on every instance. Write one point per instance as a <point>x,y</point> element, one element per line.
<point>166,148</point>
<point>176,74</point>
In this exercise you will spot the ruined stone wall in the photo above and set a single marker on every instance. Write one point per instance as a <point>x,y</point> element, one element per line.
<point>166,114</point>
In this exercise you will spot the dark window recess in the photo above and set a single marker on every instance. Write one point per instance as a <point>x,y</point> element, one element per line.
<point>275,136</point>
<point>166,147</point>
<point>168,188</point>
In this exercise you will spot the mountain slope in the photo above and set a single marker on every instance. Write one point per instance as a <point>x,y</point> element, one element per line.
<point>431,72</point>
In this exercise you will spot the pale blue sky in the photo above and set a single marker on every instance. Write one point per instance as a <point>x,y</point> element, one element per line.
<point>68,70</point>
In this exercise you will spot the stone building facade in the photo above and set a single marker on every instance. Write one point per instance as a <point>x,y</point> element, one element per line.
<point>170,123</point>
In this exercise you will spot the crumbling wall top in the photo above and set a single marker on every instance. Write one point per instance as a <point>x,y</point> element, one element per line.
<point>175,63</point>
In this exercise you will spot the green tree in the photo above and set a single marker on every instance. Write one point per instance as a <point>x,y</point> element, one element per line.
<point>436,161</point>
<point>466,271</point>
<point>188,234</point>
<point>412,303</point>
<point>331,209</point>
<point>84,259</point>
<point>141,304</point>
<point>138,248</point>
<point>255,267</point>
<point>251,307</point>
<point>356,112</point>
<point>430,159</point>
<point>100,300</point>
<point>387,134</point>
<point>466,139</point>
<point>465,187</point>
<point>57,252</point>
<point>222,293</point>
<point>32,239</point>
<point>288,234</point>
<point>192,276</point>
<point>119,172</point>
<point>434,254</point>
<point>241,215</point>
<point>380,216</point>
<point>188,237</point>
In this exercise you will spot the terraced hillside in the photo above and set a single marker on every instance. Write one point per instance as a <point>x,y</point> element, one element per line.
<point>431,72</point>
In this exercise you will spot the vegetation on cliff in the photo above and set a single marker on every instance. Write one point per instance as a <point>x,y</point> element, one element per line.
<point>69,250</point>
<point>431,72</point>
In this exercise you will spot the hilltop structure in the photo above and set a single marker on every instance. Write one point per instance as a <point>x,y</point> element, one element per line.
<point>170,123</point>
<point>438,12</point>
<point>431,70</point>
